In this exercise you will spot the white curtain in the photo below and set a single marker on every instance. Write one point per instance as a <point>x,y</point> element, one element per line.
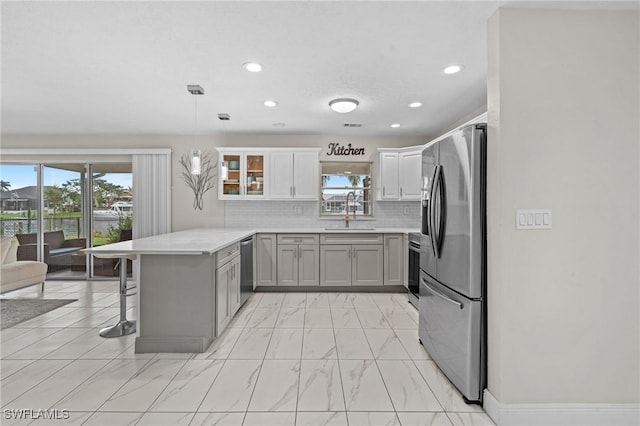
<point>152,194</point>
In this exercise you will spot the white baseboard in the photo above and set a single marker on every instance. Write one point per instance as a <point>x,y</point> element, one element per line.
<point>561,414</point>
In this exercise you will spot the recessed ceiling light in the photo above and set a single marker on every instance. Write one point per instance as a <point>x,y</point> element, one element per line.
<point>395,125</point>
<point>415,104</point>
<point>452,69</point>
<point>270,104</point>
<point>279,124</point>
<point>252,67</point>
<point>344,105</point>
<point>347,172</point>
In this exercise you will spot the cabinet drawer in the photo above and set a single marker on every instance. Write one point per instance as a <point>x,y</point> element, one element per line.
<point>227,253</point>
<point>298,238</point>
<point>351,238</point>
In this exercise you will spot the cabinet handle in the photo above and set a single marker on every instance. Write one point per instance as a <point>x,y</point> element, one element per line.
<point>384,191</point>
<point>401,192</point>
<point>294,191</point>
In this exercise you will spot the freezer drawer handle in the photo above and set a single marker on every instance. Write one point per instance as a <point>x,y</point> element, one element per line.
<point>442,296</point>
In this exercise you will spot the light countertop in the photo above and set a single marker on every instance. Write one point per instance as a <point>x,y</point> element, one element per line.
<point>209,240</point>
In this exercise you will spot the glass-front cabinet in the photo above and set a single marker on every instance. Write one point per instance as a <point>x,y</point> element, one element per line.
<point>242,174</point>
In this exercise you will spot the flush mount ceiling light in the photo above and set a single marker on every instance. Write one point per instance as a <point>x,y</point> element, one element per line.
<point>452,69</point>
<point>252,66</point>
<point>270,104</point>
<point>415,104</point>
<point>343,105</point>
<point>395,125</point>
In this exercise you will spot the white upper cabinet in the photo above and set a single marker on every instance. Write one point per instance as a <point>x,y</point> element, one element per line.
<point>410,166</point>
<point>281,177</point>
<point>268,174</point>
<point>399,174</point>
<point>389,176</point>
<point>294,175</point>
<point>246,174</point>
<point>305,175</point>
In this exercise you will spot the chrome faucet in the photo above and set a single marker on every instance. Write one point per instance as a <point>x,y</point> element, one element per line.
<point>346,216</point>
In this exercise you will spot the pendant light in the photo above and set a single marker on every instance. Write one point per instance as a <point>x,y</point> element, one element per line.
<point>196,154</point>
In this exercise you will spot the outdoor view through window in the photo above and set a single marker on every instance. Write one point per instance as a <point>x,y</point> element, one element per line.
<point>83,205</point>
<point>338,180</point>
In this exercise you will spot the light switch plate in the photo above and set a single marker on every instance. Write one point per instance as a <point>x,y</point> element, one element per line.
<point>533,219</point>
<point>297,210</point>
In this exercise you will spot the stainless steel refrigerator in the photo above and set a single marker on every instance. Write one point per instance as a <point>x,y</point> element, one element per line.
<point>452,313</point>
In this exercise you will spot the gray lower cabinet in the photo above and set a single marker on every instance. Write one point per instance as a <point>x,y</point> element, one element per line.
<point>366,265</point>
<point>298,260</point>
<point>266,270</point>
<point>335,264</point>
<point>347,260</point>
<point>227,286</point>
<point>393,259</point>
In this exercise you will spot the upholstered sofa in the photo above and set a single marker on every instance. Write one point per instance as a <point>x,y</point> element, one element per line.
<point>16,274</point>
<point>59,253</point>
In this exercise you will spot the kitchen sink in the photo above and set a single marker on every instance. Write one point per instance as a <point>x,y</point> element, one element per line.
<point>349,229</point>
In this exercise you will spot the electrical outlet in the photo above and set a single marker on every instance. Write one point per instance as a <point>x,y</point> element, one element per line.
<point>297,209</point>
<point>406,210</point>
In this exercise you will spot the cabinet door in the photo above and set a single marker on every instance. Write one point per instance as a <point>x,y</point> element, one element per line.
<point>309,264</point>
<point>287,264</point>
<point>405,261</point>
<point>410,172</point>
<point>231,188</point>
<point>281,175</point>
<point>266,260</point>
<point>335,265</point>
<point>305,175</point>
<point>393,259</point>
<point>389,176</point>
<point>234,287</point>
<point>367,265</point>
<point>256,184</point>
<point>223,276</point>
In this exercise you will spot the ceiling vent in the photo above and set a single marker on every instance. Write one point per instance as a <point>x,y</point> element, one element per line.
<point>352,125</point>
<point>224,117</point>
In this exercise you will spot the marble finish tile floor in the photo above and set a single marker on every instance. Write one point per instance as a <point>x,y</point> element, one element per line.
<point>305,359</point>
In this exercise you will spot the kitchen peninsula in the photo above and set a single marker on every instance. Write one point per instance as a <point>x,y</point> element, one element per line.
<point>182,292</point>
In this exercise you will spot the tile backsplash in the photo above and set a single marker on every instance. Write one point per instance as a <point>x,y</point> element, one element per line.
<point>284,214</point>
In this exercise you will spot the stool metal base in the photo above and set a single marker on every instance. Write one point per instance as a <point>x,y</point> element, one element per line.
<point>122,328</point>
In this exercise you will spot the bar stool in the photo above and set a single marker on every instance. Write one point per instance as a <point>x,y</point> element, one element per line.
<point>124,326</point>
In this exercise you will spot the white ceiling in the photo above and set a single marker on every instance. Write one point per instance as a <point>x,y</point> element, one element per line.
<point>123,67</point>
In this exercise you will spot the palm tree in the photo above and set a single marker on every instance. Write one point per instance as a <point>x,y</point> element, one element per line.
<point>5,185</point>
<point>354,180</point>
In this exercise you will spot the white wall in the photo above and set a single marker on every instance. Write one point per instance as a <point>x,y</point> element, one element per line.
<point>213,214</point>
<point>563,90</point>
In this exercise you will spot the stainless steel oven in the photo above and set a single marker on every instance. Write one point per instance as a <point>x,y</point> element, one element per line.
<point>414,268</point>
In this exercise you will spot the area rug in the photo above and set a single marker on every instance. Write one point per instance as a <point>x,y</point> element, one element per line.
<point>15,311</point>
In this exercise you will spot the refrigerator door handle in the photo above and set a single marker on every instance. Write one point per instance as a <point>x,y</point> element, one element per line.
<point>440,295</point>
<point>432,211</point>
<point>442,197</point>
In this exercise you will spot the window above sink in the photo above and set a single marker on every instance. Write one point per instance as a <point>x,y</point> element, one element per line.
<point>338,180</point>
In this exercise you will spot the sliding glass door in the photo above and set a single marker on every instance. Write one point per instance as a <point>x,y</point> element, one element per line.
<point>64,221</point>
<point>56,210</point>
<point>111,212</point>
